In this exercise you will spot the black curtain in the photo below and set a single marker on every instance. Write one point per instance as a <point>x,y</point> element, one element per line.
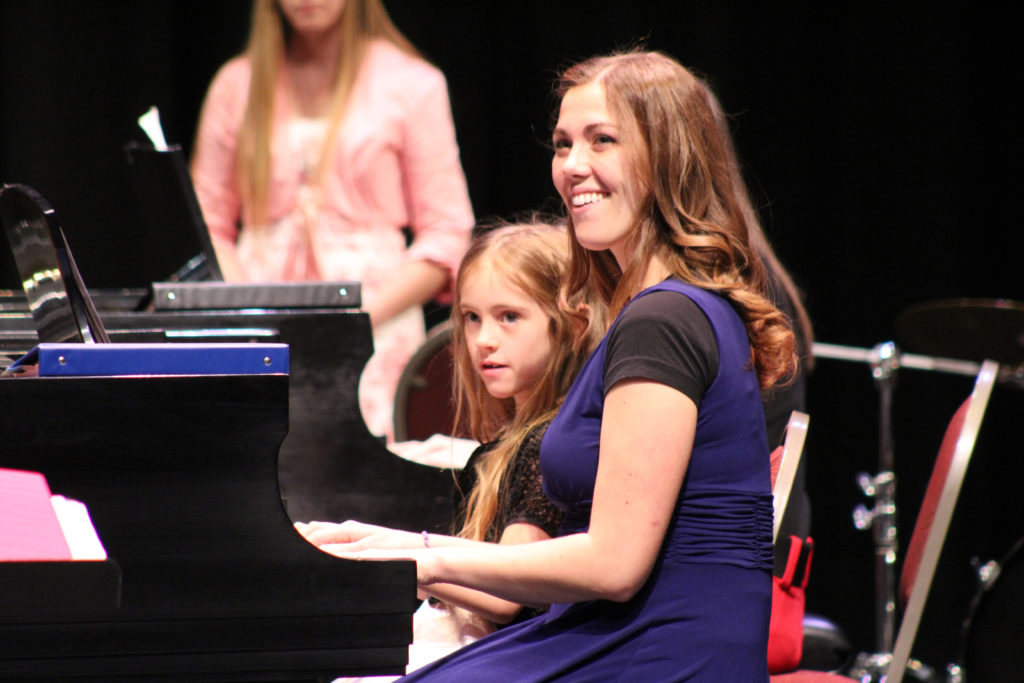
<point>880,141</point>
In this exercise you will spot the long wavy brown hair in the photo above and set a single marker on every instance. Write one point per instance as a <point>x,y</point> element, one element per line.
<point>760,244</point>
<point>361,22</point>
<point>532,257</point>
<point>690,216</point>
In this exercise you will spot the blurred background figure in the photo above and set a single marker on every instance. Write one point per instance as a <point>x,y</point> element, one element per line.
<point>327,151</point>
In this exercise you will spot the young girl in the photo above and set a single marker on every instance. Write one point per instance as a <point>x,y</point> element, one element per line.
<point>316,149</point>
<point>662,567</point>
<point>517,348</point>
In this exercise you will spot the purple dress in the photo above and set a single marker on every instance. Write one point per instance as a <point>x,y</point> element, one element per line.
<point>703,613</point>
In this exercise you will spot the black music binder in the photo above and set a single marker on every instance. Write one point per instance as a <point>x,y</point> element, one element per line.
<point>170,214</point>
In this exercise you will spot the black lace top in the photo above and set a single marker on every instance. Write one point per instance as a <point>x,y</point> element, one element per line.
<point>523,500</point>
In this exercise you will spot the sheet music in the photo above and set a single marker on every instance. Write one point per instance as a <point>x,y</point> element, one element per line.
<point>439,450</point>
<point>79,532</point>
<point>29,529</point>
<point>36,525</point>
<point>150,123</point>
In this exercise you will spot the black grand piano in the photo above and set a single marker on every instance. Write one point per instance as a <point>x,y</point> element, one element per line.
<point>183,479</point>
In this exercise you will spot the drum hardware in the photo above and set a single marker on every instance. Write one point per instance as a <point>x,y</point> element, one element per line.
<point>958,332</point>
<point>990,643</point>
<point>965,328</point>
<point>987,573</point>
<point>884,360</point>
<point>975,329</point>
<point>871,667</point>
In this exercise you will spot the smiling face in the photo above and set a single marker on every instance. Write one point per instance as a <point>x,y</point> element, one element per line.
<point>507,333</point>
<point>592,171</point>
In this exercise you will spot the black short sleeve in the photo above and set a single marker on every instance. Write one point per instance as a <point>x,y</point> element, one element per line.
<point>663,337</point>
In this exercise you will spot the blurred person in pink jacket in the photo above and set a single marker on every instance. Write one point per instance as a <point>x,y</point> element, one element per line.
<point>317,150</point>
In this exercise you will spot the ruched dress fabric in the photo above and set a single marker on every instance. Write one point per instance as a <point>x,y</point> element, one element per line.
<point>703,613</point>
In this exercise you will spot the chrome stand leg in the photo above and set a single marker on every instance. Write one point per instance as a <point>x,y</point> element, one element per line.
<point>881,518</point>
<point>870,668</point>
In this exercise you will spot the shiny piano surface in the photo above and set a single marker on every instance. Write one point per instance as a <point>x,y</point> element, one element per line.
<point>180,478</point>
<point>331,467</point>
<point>193,483</point>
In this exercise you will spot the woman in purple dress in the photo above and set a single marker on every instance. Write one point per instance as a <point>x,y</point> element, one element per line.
<point>661,569</point>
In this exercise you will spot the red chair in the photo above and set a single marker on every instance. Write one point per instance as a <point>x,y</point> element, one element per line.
<point>933,520</point>
<point>423,398</point>
<point>930,529</point>
<point>786,632</point>
<point>784,461</point>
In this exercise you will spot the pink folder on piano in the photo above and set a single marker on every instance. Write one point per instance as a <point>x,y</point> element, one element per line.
<point>29,528</point>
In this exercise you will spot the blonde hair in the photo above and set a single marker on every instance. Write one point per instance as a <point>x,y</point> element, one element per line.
<point>361,22</point>
<point>690,215</point>
<point>531,257</point>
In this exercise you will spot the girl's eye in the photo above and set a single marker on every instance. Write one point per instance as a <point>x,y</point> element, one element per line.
<point>509,317</point>
<point>602,139</point>
<point>470,317</point>
<point>561,144</point>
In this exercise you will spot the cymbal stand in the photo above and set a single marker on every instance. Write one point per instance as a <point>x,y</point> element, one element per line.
<point>884,360</point>
<point>882,487</point>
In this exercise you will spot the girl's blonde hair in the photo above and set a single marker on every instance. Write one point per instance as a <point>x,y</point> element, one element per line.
<point>361,22</point>
<point>690,215</point>
<point>532,257</point>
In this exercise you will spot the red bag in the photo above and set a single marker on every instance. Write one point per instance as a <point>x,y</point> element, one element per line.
<point>786,629</point>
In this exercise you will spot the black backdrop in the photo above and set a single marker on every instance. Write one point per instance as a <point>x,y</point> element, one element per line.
<point>882,143</point>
